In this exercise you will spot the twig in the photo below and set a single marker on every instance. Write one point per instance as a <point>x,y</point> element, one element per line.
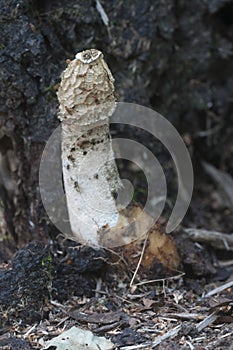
<point>222,179</point>
<point>225,335</point>
<point>208,132</point>
<point>137,296</point>
<point>190,345</point>
<point>25,335</point>
<point>207,321</point>
<point>102,13</point>
<point>98,287</point>
<point>219,289</point>
<point>225,263</point>
<point>184,315</point>
<point>161,279</point>
<point>126,300</point>
<point>135,347</point>
<point>107,327</point>
<point>121,258</point>
<point>173,332</point>
<point>140,260</point>
<point>215,239</point>
<point>62,321</point>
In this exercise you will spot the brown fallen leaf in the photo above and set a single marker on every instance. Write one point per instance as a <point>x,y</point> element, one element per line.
<point>148,302</point>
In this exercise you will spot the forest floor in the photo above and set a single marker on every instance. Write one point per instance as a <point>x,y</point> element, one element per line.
<point>181,65</point>
<point>190,309</point>
<point>167,316</point>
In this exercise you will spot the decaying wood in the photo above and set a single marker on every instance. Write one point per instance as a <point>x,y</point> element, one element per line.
<point>215,239</point>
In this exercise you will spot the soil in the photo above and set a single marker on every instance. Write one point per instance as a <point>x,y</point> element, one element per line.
<point>173,56</point>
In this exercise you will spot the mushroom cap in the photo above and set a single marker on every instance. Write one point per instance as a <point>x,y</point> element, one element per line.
<point>86,92</point>
<point>88,56</point>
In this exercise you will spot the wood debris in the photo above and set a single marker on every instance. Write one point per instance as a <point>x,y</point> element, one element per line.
<point>217,240</point>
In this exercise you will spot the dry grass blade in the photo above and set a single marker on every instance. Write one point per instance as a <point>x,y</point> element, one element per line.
<point>140,260</point>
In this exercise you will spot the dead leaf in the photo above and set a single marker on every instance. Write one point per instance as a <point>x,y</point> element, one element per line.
<point>77,338</point>
<point>148,302</point>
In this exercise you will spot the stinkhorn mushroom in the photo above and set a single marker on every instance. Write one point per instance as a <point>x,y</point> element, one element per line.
<point>90,176</point>
<point>91,180</point>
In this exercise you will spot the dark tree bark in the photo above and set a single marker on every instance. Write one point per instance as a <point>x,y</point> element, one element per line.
<point>175,56</point>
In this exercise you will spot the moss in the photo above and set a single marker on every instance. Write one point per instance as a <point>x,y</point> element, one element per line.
<point>47,264</point>
<point>51,91</point>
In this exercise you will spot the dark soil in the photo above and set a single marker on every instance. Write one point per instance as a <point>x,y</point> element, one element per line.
<point>174,56</point>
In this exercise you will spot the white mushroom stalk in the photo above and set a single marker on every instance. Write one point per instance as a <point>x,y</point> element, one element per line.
<point>91,180</point>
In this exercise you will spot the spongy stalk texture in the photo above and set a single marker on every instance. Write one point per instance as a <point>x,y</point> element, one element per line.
<point>90,175</point>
